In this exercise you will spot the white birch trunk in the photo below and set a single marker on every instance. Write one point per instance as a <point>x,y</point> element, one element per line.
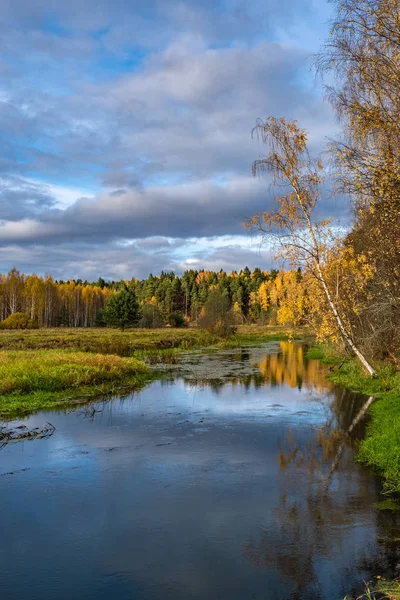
<point>347,338</point>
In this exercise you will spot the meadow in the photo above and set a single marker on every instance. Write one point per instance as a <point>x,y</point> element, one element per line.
<point>133,341</point>
<point>40,379</point>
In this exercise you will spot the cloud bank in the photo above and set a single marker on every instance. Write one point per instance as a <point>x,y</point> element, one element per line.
<point>126,130</point>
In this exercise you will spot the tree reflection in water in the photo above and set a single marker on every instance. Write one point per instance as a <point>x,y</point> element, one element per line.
<point>254,367</point>
<point>314,523</point>
<point>291,367</point>
<point>314,519</point>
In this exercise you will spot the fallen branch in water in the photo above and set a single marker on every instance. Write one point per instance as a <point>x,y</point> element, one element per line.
<point>21,433</point>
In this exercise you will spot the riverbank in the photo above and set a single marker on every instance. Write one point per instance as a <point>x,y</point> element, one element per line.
<point>53,368</point>
<point>31,380</point>
<point>380,450</point>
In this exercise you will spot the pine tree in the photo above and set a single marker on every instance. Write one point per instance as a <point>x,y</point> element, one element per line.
<point>121,310</point>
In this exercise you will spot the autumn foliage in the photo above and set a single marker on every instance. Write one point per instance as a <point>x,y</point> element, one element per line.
<point>362,59</point>
<point>18,321</point>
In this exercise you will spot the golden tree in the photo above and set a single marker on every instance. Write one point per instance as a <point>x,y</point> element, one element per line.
<point>301,240</point>
<point>363,52</point>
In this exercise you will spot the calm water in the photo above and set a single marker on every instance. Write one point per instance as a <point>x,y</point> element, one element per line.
<point>187,490</point>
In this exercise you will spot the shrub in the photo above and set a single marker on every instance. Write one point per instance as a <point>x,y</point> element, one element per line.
<point>217,316</point>
<point>19,321</point>
<point>177,320</point>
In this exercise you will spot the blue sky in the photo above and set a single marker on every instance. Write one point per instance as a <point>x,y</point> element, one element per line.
<point>126,129</point>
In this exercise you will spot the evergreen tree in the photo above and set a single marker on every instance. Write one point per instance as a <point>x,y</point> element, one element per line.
<point>121,310</point>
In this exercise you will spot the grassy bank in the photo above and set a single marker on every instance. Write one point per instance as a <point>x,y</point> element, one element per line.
<point>380,449</point>
<point>32,380</point>
<point>54,367</point>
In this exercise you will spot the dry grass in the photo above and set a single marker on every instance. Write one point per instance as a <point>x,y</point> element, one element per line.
<point>129,342</point>
<point>101,340</point>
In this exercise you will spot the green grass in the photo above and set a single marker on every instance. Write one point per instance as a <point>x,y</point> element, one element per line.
<point>389,589</point>
<point>326,356</point>
<point>382,590</point>
<point>380,449</point>
<point>32,380</point>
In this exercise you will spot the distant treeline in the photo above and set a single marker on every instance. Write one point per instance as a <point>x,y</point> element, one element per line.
<point>254,296</point>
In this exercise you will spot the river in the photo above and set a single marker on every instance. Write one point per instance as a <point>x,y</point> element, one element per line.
<point>212,483</point>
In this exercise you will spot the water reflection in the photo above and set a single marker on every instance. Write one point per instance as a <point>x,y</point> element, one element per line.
<point>312,524</point>
<point>187,490</point>
<point>313,527</point>
<point>310,533</point>
<point>278,364</point>
<point>290,367</point>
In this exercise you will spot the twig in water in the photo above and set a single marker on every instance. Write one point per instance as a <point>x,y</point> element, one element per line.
<point>22,433</point>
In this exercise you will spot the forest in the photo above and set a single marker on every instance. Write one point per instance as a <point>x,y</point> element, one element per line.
<point>253,296</point>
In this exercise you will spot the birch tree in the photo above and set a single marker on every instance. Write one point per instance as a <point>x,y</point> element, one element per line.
<point>362,60</point>
<point>302,240</point>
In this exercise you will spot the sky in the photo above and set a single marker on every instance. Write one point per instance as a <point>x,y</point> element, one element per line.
<point>125,128</point>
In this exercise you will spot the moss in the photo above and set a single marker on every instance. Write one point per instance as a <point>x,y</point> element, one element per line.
<point>388,504</point>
